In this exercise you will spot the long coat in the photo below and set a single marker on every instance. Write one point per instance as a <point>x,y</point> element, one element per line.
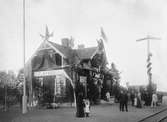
<point>80,105</point>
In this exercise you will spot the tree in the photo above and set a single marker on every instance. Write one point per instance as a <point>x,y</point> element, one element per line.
<point>116,80</point>
<point>115,73</point>
<point>3,78</point>
<point>8,88</point>
<point>20,77</point>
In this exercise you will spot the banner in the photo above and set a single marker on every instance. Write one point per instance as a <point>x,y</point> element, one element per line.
<point>48,73</point>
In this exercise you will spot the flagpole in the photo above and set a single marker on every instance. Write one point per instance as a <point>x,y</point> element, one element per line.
<point>24,98</point>
<point>148,38</point>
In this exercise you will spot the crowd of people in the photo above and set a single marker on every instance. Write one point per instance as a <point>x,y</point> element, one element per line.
<point>126,97</point>
<point>135,99</point>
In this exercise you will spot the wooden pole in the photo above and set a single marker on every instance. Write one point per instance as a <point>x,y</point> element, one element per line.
<point>24,99</point>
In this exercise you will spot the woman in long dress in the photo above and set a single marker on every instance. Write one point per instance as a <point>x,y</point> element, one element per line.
<point>139,104</point>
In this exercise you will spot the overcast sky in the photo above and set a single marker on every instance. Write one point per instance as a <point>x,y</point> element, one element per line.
<point>123,21</point>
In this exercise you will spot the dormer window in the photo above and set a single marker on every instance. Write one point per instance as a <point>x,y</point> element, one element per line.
<point>58,59</point>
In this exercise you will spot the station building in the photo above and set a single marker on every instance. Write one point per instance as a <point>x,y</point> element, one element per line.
<point>53,71</point>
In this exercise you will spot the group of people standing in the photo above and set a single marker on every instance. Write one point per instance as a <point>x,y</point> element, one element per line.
<point>136,100</point>
<point>139,102</point>
<point>82,102</point>
<point>123,100</point>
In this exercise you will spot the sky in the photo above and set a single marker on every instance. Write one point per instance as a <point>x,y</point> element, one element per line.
<point>123,21</point>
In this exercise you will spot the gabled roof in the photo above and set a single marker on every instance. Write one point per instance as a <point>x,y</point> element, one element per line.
<point>85,53</point>
<point>65,50</point>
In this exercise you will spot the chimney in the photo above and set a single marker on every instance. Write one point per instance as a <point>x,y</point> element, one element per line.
<point>66,42</point>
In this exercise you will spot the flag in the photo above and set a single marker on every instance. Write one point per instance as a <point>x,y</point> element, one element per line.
<point>103,35</point>
<point>100,45</point>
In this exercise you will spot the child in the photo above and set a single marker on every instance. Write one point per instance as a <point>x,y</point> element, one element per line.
<point>87,107</point>
<point>108,96</point>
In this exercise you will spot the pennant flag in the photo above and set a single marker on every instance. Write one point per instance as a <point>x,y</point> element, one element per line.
<point>103,35</point>
<point>100,45</point>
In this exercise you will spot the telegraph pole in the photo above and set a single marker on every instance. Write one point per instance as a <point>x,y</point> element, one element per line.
<point>24,98</point>
<point>5,97</point>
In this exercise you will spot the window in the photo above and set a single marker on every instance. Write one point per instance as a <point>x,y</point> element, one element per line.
<point>60,83</point>
<point>58,59</point>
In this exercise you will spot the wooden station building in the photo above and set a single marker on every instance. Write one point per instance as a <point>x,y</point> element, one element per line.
<point>54,70</point>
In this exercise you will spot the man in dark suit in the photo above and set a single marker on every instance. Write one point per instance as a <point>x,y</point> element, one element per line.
<point>121,101</point>
<point>125,101</point>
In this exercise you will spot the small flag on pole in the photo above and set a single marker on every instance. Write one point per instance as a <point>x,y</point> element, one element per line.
<point>103,35</point>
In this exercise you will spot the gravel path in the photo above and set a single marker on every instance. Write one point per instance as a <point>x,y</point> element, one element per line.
<point>99,113</point>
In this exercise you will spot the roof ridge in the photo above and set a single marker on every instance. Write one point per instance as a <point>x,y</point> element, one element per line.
<point>82,53</point>
<point>59,45</point>
<point>55,43</point>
